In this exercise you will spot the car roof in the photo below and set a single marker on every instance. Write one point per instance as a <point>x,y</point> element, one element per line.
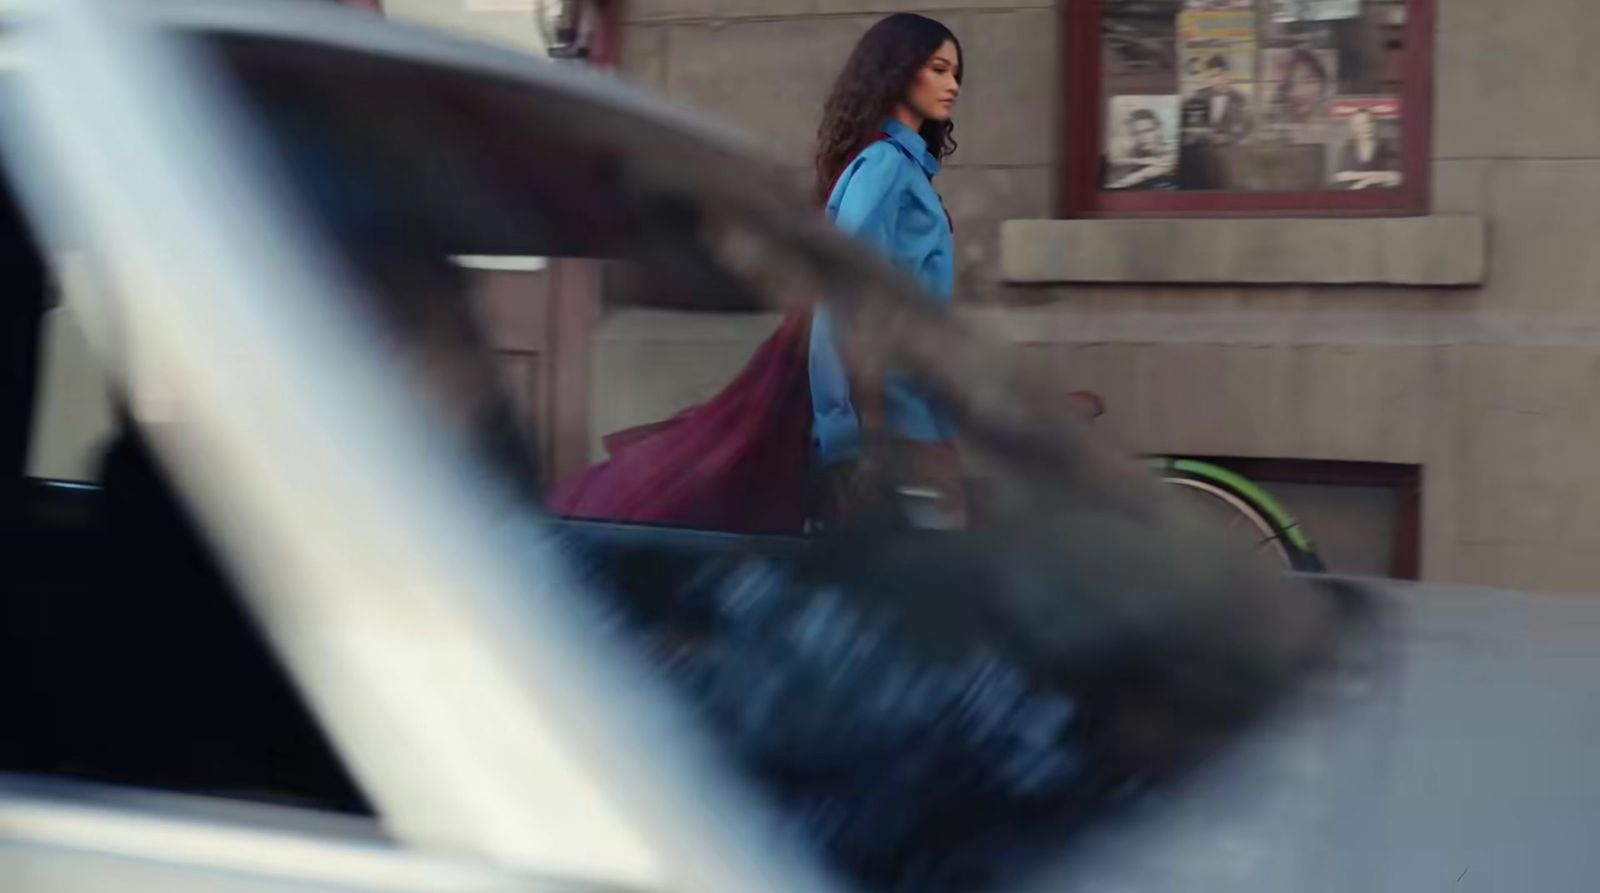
<point>336,26</point>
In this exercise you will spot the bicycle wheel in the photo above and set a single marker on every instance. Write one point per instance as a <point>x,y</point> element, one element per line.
<point>1238,504</point>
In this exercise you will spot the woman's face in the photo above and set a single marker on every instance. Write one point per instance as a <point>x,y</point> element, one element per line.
<point>935,88</point>
<point>1306,87</point>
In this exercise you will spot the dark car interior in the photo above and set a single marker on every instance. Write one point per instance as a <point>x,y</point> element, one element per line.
<point>126,654</point>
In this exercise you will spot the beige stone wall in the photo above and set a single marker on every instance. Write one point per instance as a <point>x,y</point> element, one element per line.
<point>767,65</point>
<point>508,22</point>
<point>74,422</point>
<point>1495,391</point>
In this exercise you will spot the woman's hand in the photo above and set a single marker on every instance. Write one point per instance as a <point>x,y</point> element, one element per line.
<point>860,488</point>
<point>898,481</point>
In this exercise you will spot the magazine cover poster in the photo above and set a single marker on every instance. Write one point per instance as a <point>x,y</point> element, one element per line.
<point>1297,86</point>
<point>1141,149</point>
<point>1204,37</point>
<point>1365,148</point>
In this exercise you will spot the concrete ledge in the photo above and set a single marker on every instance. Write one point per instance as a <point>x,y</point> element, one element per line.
<point>1425,251</point>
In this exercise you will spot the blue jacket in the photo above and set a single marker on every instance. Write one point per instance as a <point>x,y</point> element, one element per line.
<point>885,196</point>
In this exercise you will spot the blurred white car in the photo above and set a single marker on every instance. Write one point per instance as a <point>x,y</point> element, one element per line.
<point>297,637</point>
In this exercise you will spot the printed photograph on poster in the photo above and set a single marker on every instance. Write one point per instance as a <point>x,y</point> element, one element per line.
<point>1296,88</point>
<point>1142,143</point>
<point>1365,150</point>
<point>1204,37</point>
<point>1218,78</point>
<point>1315,10</point>
<point>1141,54</point>
<point>1219,111</point>
<point>1215,121</point>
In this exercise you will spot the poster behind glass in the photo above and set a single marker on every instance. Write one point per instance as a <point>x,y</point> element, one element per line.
<point>1252,95</point>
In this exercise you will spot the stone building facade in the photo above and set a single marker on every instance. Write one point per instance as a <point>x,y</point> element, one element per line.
<point>1425,388</point>
<point>1468,357</point>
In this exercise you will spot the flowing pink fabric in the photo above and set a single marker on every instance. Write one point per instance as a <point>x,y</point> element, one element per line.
<point>738,462</point>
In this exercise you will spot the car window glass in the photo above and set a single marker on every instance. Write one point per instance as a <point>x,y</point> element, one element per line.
<point>127,655</point>
<point>73,416</point>
<point>925,709</point>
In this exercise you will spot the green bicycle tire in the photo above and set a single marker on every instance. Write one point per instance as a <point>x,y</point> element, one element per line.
<point>1281,528</point>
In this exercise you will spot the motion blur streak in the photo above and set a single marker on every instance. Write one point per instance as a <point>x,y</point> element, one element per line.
<point>407,622</point>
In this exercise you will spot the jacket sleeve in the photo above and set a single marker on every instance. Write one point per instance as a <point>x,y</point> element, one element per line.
<point>865,201</point>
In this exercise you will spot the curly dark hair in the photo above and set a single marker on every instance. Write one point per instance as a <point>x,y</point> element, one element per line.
<point>874,80</point>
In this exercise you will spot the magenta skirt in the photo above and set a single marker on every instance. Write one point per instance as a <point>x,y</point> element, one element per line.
<point>739,462</point>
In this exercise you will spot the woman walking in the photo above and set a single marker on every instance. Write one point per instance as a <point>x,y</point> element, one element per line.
<point>885,129</point>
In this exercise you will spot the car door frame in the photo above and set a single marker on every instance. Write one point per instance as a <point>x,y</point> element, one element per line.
<point>429,622</point>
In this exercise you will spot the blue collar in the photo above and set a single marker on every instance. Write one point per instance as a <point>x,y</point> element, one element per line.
<point>913,143</point>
